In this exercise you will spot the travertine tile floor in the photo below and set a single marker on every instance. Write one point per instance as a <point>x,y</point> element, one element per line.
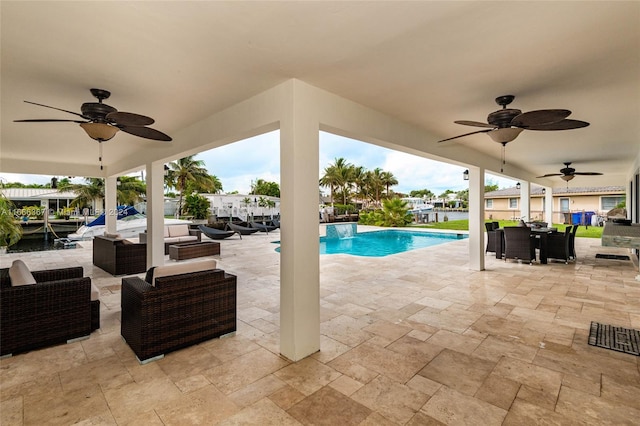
<point>411,339</point>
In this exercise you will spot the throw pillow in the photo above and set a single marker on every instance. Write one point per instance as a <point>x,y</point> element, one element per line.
<point>20,274</point>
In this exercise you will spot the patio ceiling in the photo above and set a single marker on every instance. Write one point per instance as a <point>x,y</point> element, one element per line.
<point>425,63</point>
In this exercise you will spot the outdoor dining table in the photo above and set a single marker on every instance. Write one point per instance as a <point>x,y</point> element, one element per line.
<point>540,233</point>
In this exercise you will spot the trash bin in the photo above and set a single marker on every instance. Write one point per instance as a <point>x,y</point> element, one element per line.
<point>588,218</point>
<point>576,218</point>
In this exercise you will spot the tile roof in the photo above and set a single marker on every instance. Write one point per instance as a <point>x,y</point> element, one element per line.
<point>537,190</point>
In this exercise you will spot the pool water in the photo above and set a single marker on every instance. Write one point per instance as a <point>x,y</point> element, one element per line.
<point>384,243</point>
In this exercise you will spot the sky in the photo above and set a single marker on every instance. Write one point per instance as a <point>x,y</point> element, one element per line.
<point>237,165</point>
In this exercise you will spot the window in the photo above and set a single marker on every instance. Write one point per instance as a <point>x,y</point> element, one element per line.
<point>513,203</point>
<point>488,203</point>
<point>564,205</point>
<point>608,203</point>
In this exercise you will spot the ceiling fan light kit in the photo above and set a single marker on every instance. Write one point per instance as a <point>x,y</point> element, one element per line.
<point>505,135</point>
<point>99,131</point>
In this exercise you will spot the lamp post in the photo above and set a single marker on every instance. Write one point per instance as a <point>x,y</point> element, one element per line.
<point>518,185</point>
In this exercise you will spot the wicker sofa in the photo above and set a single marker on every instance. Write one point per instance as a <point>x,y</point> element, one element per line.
<point>119,257</point>
<point>54,310</point>
<point>177,306</point>
<point>176,234</point>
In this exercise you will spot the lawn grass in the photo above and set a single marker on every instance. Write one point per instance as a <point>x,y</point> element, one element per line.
<point>463,225</point>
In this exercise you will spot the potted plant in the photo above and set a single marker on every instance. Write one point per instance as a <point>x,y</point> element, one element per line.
<point>10,229</point>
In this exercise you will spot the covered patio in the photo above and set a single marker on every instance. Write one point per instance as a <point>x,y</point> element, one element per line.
<point>399,345</point>
<point>392,74</point>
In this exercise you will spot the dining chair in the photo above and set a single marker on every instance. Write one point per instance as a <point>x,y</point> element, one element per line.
<point>572,242</point>
<point>519,244</point>
<point>558,244</point>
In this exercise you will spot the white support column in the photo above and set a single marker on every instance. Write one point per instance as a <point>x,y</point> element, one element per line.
<point>525,201</point>
<point>476,219</point>
<point>300,247</point>
<point>548,205</point>
<point>111,204</point>
<point>155,214</point>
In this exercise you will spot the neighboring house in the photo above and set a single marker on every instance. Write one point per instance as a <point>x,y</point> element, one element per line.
<point>45,198</point>
<point>505,203</point>
<point>243,206</point>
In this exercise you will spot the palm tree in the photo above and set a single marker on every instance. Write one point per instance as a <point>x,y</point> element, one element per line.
<point>338,175</point>
<point>188,171</point>
<point>214,188</point>
<point>375,183</point>
<point>358,177</point>
<point>86,193</point>
<point>388,179</point>
<point>262,187</point>
<point>130,190</point>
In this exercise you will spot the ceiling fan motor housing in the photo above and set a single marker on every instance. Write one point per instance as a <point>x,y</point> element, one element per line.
<point>502,118</point>
<point>96,111</point>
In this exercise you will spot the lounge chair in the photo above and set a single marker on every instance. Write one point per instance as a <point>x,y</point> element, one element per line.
<point>263,227</point>
<point>217,234</point>
<point>242,230</point>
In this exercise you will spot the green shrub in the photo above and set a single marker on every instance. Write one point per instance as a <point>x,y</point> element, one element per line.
<point>197,206</point>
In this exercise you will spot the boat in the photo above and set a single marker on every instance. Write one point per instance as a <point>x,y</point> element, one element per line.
<point>130,224</point>
<point>418,205</point>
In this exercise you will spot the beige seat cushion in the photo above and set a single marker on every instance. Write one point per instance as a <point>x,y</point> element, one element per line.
<point>166,231</point>
<point>20,274</point>
<point>95,292</point>
<point>182,268</point>
<point>178,230</point>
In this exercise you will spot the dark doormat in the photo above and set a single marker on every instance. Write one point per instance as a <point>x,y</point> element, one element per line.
<point>619,339</point>
<point>612,256</point>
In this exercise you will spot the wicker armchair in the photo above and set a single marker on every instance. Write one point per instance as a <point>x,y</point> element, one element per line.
<point>519,243</point>
<point>119,257</point>
<point>559,245</point>
<point>179,311</point>
<point>56,309</point>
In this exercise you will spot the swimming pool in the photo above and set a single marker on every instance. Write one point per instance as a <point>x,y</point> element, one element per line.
<point>384,243</point>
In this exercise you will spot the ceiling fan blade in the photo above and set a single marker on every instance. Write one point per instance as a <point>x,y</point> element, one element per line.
<point>549,175</point>
<point>539,117</point>
<point>560,125</point>
<point>588,173</point>
<point>59,109</point>
<point>467,134</point>
<point>474,123</point>
<point>129,119</point>
<point>146,132</point>
<point>47,120</point>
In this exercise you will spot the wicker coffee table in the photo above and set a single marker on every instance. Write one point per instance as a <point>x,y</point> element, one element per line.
<point>181,251</point>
